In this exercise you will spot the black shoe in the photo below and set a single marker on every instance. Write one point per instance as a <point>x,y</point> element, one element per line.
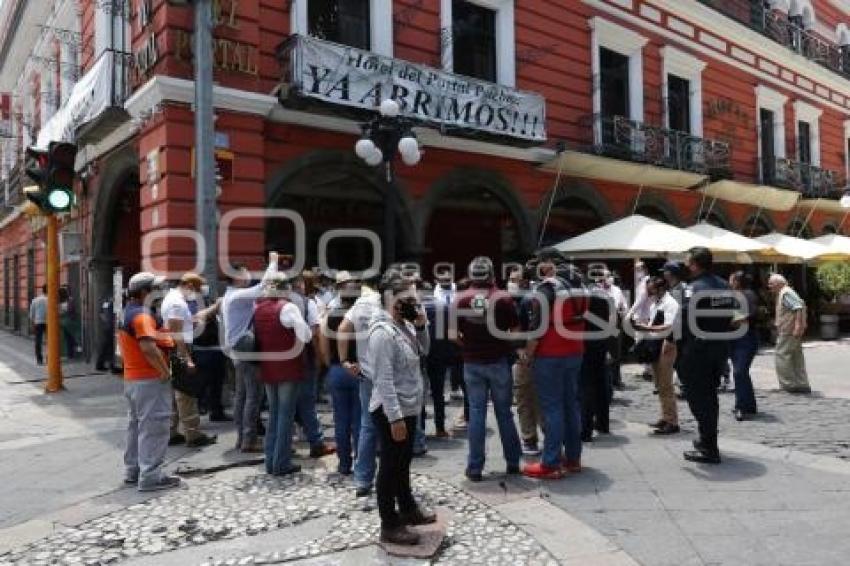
<point>201,441</point>
<point>293,469</point>
<point>702,457</point>
<point>658,424</point>
<point>666,429</point>
<point>399,535</point>
<point>587,437</point>
<point>220,417</point>
<point>739,415</point>
<point>513,470</point>
<point>176,439</point>
<point>99,368</point>
<point>419,516</point>
<point>603,429</point>
<point>473,476</point>
<point>165,482</point>
<point>321,450</point>
<point>363,492</point>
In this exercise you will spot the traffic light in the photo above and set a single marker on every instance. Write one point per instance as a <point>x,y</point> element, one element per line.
<point>53,172</point>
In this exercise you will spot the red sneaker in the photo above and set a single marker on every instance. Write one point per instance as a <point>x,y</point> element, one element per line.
<point>540,471</point>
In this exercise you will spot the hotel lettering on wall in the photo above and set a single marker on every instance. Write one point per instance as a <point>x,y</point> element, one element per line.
<point>352,77</point>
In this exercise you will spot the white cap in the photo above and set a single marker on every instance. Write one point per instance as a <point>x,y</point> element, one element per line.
<point>343,277</point>
<point>143,280</point>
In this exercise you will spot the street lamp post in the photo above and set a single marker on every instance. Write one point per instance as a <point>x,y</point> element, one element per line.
<point>384,137</point>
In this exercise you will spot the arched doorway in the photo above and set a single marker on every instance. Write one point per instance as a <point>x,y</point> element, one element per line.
<point>799,229</point>
<point>829,229</point>
<point>654,212</point>
<point>115,234</point>
<point>472,213</point>
<point>570,217</point>
<point>714,218</point>
<point>334,192</point>
<point>756,226</point>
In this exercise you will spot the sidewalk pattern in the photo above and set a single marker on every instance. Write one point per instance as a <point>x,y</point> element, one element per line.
<point>211,510</point>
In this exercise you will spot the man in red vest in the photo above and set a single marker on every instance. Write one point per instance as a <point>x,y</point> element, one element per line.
<point>281,334</point>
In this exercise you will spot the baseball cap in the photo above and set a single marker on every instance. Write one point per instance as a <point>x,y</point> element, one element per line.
<point>144,280</point>
<point>192,279</point>
<point>343,277</point>
<point>674,267</point>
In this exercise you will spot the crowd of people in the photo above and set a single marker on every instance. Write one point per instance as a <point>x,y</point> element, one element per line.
<point>549,342</point>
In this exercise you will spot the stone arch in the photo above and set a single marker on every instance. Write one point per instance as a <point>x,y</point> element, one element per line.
<point>317,177</point>
<point>493,192</point>
<point>829,228</point>
<point>121,167</point>
<point>716,215</point>
<point>573,198</point>
<point>655,207</point>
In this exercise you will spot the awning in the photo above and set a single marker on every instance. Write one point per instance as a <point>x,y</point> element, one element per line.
<point>834,243</point>
<point>635,236</point>
<point>798,250</point>
<point>726,241</point>
<point>90,96</point>
<point>576,164</point>
<point>762,196</point>
<point>822,204</point>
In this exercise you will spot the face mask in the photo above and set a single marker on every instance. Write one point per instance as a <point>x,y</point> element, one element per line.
<point>513,287</point>
<point>408,311</point>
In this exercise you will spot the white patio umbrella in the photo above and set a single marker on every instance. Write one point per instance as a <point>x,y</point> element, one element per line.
<point>798,250</point>
<point>835,243</point>
<point>725,241</point>
<point>634,236</point>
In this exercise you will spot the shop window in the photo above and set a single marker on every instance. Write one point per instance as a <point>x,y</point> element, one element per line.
<point>341,21</point>
<point>474,37</point>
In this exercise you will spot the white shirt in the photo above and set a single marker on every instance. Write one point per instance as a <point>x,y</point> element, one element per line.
<point>669,306</point>
<point>641,307</point>
<point>445,295</point>
<point>175,307</point>
<point>290,317</point>
<point>360,316</point>
<point>620,302</point>
<point>312,312</point>
<point>237,308</point>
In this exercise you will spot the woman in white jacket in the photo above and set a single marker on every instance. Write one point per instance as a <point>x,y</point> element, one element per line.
<point>398,337</point>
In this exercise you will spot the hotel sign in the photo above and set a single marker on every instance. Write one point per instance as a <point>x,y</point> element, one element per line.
<point>352,77</point>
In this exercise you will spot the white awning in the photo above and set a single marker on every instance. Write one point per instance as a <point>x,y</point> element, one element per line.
<point>576,164</point>
<point>90,96</point>
<point>834,243</point>
<point>769,198</point>
<point>822,204</point>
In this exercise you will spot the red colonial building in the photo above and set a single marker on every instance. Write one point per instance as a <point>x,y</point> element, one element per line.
<point>539,119</point>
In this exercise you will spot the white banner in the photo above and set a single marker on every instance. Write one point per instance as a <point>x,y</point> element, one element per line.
<point>353,77</point>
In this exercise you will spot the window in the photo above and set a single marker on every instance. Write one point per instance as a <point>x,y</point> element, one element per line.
<point>617,67</point>
<point>477,39</point>
<point>614,83</point>
<point>682,90</point>
<point>808,133</point>
<point>474,36</point>
<point>804,143</point>
<point>771,128</point>
<point>678,104</point>
<point>340,21</point>
<point>366,24</point>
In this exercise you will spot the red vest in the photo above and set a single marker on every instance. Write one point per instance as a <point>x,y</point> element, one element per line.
<point>276,342</point>
<point>556,342</point>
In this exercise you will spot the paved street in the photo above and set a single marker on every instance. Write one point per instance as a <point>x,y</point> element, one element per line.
<point>781,496</point>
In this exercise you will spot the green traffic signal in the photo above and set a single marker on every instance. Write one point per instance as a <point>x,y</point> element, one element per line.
<point>60,200</point>
<point>53,173</point>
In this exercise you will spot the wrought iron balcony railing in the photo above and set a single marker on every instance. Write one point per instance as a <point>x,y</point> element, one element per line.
<point>811,181</point>
<point>621,138</point>
<point>787,31</point>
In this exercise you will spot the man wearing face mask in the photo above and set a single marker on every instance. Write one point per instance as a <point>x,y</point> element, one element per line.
<point>177,317</point>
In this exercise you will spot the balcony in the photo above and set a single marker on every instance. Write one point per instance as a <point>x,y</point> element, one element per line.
<point>787,31</point>
<point>12,195</point>
<point>621,138</point>
<point>808,180</point>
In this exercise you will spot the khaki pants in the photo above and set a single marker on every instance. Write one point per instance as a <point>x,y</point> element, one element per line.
<point>790,363</point>
<point>662,371</point>
<point>186,413</point>
<point>526,400</point>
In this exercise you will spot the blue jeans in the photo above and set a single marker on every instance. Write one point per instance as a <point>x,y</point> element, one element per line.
<point>743,353</point>
<point>557,383</point>
<point>345,395</point>
<point>367,444</point>
<point>306,410</point>
<point>282,401</point>
<point>492,380</point>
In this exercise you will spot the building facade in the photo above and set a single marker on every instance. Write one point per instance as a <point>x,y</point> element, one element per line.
<point>539,120</point>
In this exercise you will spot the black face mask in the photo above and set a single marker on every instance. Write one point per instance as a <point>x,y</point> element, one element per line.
<point>408,311</point>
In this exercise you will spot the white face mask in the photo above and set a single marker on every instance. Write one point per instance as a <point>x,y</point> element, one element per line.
<point>513,287</point>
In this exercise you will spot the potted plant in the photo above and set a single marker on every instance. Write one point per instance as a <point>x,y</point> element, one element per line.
<point>834,281</point>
